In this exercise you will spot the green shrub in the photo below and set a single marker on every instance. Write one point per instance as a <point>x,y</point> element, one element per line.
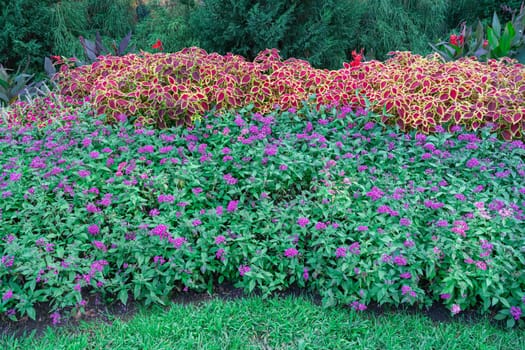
<point>332,201</point>
<point>473,10</point>
<point>322,32</point>
<point>169,24</point>
<point>25,33</point>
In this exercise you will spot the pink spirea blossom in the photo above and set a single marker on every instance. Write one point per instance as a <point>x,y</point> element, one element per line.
<point>400,260</point>
<point>100,246</point>
<point>160,230</point>
<point>270,150</point>
<point>405,222</point>
<point>230,180</point>
<point>158,259</point>
<point>320,226</point>
<point>354,248</point>
<point>146,149</point>
<point>55,318</point>
<point>8,260</point>
<point>243,269</point>
<point>472,162</point>
<point>197,190</point>
<point>220,239</point>
<point>92,208</point>
<point>375,193</point>
<point>178,242</point>
<point>481,265</point>
<point>305,274</point>
<point>340,252</point>
<point>93,229</point>
<point>515,312</point>
<point>303,221</point>
<point>357,306</point>
<point>290,252</point>
<point>15,177</point>
<point>83,173</point>
<point>219,254</point>
<point>409,243</point>
<point>7,295</point>
<point>165,198</point>
<point>456,309</point>
<point>232,206</point>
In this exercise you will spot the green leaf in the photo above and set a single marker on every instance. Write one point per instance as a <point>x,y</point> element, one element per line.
<point>492,38</point>
<point>123,296</point>
<point>496,24</point>
<point>31,313</point>
<point>506,39</point>
<point>500,317</point>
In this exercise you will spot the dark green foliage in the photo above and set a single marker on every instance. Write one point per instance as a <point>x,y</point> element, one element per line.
<point>322,32</point>
<point>167,23</point>
<point>401,25</point>
<point>72,19</point>
<point>25,33</point>
<point>472,10</point>
<point>113,18</point>
<point>31,30</point>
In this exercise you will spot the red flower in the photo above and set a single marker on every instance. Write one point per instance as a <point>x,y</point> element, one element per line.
<point>158,45</point>
<point>457,40</point>
<point>485,43</point>
<point>453,40</point>
<point>357,57</point>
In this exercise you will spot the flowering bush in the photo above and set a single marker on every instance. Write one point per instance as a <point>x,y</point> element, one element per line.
<point>329,199</point>
<point>42,110</point>
<point>415,92</point>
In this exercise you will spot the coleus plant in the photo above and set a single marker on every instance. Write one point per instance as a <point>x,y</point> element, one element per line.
<point>410,90</point>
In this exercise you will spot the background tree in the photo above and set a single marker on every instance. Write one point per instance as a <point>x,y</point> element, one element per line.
<point>321,31</point>
<point>25,33</point>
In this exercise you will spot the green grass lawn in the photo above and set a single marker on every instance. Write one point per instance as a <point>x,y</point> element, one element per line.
<point>275,323</point>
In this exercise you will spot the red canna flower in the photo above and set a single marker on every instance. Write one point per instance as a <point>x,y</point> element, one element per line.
<point>357,57</point>
<point>485,43</point>
<point>453,40</point>
<point>457,40</point>
<point>158,45</point>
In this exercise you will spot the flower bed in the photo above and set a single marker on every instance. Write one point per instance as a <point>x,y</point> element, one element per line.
<point>328,199</point>
<point>413,91</point>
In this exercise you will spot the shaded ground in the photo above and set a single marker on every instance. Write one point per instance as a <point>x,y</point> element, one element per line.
<point>99,311</point>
